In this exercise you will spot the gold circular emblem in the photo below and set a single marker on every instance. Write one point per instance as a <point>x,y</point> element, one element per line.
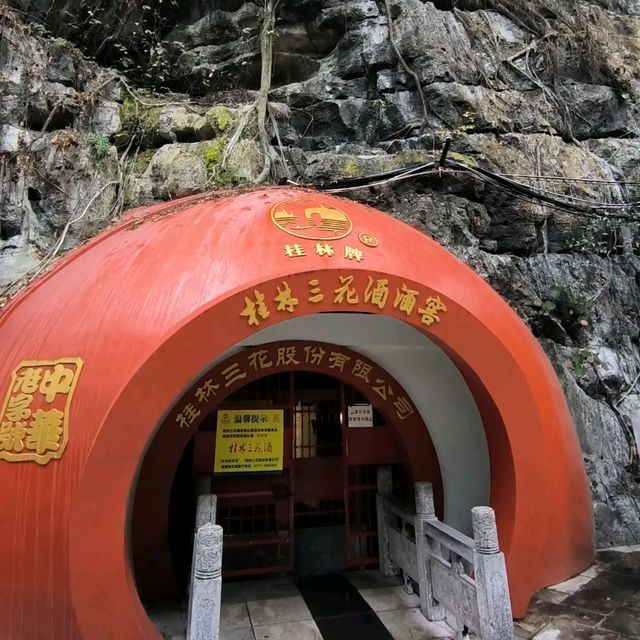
<point>311,220</point>
<point>368,240</point>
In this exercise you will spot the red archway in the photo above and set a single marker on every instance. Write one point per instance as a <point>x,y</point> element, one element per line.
<point>147,307</point>
<point>150,518</point>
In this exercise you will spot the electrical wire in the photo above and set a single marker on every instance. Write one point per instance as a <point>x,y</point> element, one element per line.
<point>565,179</point>
<point>504,182</point>
<point>571,206</point>
<point>590,204</point>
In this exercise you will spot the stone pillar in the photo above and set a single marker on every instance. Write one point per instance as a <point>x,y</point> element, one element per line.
<point>425,506</point>
<point>203,622</point>
<point>205,513</point>
<point>485,532</point>
<point>490,573</point>
<point>425,512</point>
<point>206,510</point>
<point>385,490</point>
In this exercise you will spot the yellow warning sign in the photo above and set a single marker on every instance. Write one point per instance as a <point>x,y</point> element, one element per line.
<point>249,441</point>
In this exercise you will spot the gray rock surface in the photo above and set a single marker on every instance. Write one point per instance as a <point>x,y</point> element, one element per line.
<point>174,171</point>
<point>530,89</point>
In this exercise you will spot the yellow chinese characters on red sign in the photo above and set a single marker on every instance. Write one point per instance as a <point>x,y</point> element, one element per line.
<point>34,422</point>
<point>263,304</point>
<point>249,441</point>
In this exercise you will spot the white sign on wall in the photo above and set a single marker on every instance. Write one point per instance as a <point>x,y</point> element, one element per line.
<point>360,415</point>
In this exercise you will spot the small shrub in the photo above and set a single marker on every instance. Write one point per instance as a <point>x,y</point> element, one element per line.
<point>100,144</point>
<point>213,154</point>
<point>582,361</point>
<point>570,307</point>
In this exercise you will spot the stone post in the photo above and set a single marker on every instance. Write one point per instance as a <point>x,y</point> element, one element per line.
<point>203,622</point>
<point>385,489</point>
<point>490,572</point>
<point>425,506</point>
<point>205,513</point>
<point>206,510</point>
<point>425,512</point>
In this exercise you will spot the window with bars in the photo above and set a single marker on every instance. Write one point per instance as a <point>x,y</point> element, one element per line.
<point>248,519</point>
<point>317,429</point>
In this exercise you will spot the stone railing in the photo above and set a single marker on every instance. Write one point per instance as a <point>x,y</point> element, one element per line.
<point>460,580</point>
<point>205,589</point>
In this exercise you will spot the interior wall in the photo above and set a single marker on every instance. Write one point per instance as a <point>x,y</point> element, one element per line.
<point>430,378</point>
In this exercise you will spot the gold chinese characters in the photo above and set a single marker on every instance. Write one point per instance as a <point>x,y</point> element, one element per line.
<point>379,293</point>
<point>308,357</point>
<point>35,413</point>
<point>322,249</point>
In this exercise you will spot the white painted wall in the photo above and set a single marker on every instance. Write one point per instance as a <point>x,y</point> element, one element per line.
<point>429,377</point>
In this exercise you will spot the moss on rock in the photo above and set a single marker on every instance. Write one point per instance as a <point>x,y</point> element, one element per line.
<point>138,122</point>
<point>211,154</point>
<point>220,118</point>
<point>142,161</point>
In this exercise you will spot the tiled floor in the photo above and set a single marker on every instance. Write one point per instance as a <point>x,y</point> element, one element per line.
<point>368,606</point>
<point>603,603</point>
<point>275,610</point>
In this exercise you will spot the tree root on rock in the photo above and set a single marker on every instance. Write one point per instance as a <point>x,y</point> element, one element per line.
<point>256,117</point>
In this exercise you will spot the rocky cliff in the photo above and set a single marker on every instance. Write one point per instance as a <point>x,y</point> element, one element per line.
<point>110,105</point>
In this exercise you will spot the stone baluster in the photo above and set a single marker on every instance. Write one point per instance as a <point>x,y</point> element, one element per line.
<point>205,513</point>
<point>203,622</point>
<point>425,506</point>
<point>385,490</point>
<point>206,510</point>
<point>490,574</point>
<point>425,512</point>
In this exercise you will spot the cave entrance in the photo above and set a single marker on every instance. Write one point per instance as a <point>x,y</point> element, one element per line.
<point>292,458</point>
<point>317,514</point>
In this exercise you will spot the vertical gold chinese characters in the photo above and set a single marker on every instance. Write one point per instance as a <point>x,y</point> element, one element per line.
<point>34,420</point>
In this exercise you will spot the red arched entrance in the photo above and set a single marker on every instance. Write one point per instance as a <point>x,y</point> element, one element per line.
<point>404,440</point>
<point>149,305</point>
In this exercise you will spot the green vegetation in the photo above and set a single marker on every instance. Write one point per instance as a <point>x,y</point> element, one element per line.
<point>138,122</point>
<point>582,361</point>
<point>570,307</point>
<point>142,161</point>
<point>468,122</point>
<point>101,145</point>
<point>211,154</point>
<point>351,168</point>
<point>464,159</point>
<point>220,118</point>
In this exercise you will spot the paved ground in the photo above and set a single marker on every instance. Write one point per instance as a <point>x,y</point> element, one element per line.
<point>372,606</point>
<point>603,603</point>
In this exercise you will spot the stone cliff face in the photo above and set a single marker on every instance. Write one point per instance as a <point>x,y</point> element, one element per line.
<point>534,89</point>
